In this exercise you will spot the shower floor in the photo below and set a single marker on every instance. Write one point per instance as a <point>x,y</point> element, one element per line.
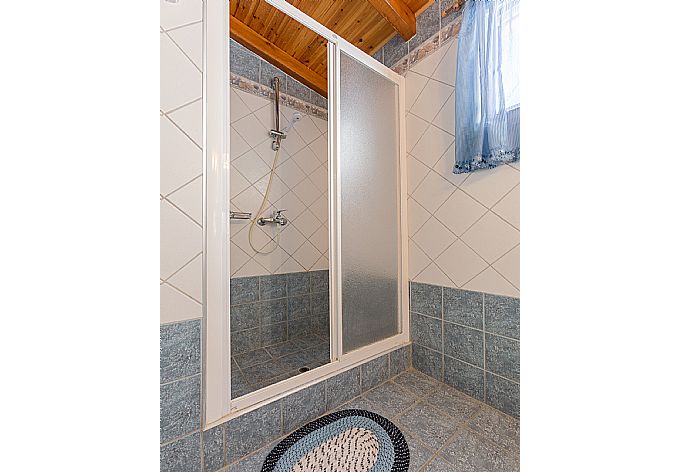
<point>446,430</point>
<point>256,369</point>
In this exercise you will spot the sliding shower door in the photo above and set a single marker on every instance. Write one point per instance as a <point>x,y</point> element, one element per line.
<point>370,204</point>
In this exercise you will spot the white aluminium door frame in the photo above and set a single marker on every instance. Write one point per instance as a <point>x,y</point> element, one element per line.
<point>218,405</point>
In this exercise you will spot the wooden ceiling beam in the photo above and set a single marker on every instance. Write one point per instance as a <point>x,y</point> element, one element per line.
<point>398,14</point>
<point>259,45</point>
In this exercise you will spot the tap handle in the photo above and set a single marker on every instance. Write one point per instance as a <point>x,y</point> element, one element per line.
<point>279,212</point>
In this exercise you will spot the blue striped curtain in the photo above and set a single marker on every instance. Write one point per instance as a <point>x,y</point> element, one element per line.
<point>487,89</point>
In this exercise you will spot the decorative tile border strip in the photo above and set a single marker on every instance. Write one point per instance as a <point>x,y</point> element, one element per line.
<point>446,34</point>
<point>249,86</point>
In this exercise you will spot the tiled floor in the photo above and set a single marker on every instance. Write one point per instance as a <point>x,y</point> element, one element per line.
<point>445,429</point>
<point>256,369</point>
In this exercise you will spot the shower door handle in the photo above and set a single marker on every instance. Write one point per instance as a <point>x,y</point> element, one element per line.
<point>240,215</point>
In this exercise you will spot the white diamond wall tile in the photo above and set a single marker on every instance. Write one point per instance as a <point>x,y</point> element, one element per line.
<point>180,239</point>
<point>508,207</point>
<point>189,199</point>
<point>299,187</point>
<point>463,228</point>
<point>490,185</point>
<point>430,101</point>
<point>176,306</point>
<point>491,281</point>
<point>414,84</point>
<point>187,279</point>
<point>189,39</point>
<point>181,160</point>
<point>173,15</point>
<point>431,146</point>
<point>446,70</point>
<point>238,109</point>
<point>509,266</point>
<point>491,237</point>
<point>180,79</point>
<point>460,221</point>
<point>433,191</point>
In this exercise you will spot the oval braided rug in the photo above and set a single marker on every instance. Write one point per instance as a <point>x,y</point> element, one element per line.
<point>347,440</point>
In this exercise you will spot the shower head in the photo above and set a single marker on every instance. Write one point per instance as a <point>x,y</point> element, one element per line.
<point>296,116</point>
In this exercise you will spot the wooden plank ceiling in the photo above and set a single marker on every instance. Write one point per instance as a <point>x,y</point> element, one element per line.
<point>285,43</point>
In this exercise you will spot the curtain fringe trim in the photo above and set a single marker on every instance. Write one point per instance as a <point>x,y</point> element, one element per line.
<point>490,161</point>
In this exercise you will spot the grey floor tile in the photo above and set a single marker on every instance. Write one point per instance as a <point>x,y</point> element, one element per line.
<point>282,349</point>
<point>389,399</point>
<point>361,403</point>
<point>502,429</point>
<point>298,359</point>
<point>262,372</point>
<point>419,453</point>
<point>252,431</point>
<point>248,359</point>
<point>471,452</point>
<point>417,383</point>
<point>427,423</point>
<point>456,404</point>
<point>438,464</point>
<point>239,385</point>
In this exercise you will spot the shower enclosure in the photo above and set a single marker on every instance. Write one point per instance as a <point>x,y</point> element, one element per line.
<point>345,299</point>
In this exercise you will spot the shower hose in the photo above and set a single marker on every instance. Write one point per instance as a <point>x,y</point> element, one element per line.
<point>262,208</point>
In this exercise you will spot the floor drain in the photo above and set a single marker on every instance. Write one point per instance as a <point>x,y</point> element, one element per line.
<point>303,369</point>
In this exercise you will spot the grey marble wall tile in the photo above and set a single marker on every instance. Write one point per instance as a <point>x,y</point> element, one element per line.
<point>427,361</point>
<point>250,358</point>
<point>254,462</point>
<point>213,447</point>
<point>244,317</point>
<point>243,62</point>
<point>425,299</point>
<point>400,360</point>
<point>243,341</point>
<point>180,350</point>
<point>394,50</point>
<point>448,19</point>
<point>252,430</point>
<point>320,324</point>
<point>183,455</point>
<point>319,280</point>
<point>429,424</point>
<point>272,286</point>
<point>470,452</point>
<point>502,429</point>
<point>268,72</point>
<point>301,407</point>
<point>180,408</point>
<point>319,302</point>
<point>390,399</point>
<point>426,331</point>
<point>428,24</point>
<point>374,372</point>
<point>462,343</point>
<point>342,388</point>
<point>503,357</point>
<point>298,283</point>
<point>244,290</point>
<point>458,405</point>
<point>502,315</point>
<point>318,100</point>
<point>464,377</point>
<point>272,311</point>
<point>299,327</point>
<point>503,394</point>
<point>297,89</point>
<point>463,307</point>
<point>299,306</point>
<point>273,334</point>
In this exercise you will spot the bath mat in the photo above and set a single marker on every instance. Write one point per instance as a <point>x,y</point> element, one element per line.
<point>347,440</point>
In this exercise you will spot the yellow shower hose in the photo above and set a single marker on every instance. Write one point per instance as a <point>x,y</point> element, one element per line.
<point>261,209</point>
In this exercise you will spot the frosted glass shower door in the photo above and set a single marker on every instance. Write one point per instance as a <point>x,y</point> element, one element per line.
<point>370,204</point>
